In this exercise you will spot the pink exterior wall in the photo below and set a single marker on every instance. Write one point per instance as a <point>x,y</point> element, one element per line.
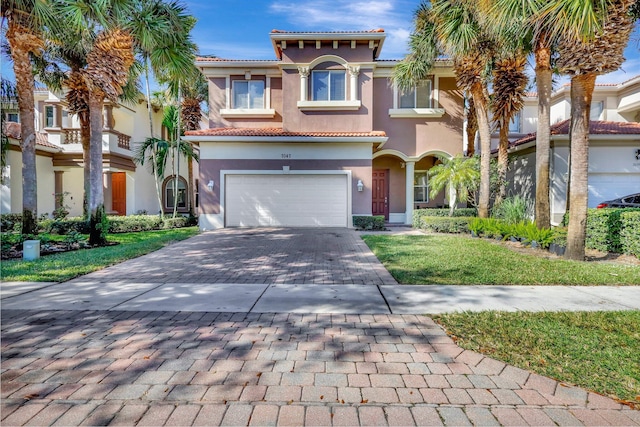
<point>296,120</point>
<point>292,54</point>
<point>414,137</point>
<point>217,97</point>
<point>210,170</point>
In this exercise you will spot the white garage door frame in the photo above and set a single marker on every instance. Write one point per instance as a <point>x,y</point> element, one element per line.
<point>286,171</point>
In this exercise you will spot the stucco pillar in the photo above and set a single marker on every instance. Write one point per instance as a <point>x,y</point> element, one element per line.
<point>107,112</point>
<point>409,172</point>
<point>58,188</point>
<point>304,83</point>
<point>353,82</point>
<point>108,199</point>
<point>57,116</point>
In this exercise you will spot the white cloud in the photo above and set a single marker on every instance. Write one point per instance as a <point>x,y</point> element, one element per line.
<point>395,16</point>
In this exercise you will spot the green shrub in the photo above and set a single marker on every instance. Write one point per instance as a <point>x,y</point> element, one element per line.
<point>8,221</point>
<point>630,232</point>
<point>476,226</point>
<point>445,224</point>
<point>127,224</point>
<point>177,222</point>
<point>64,226</point>
<point>604,228</point>
<point>431,212</point>
<point>369,222</point>
<point>512,210</point>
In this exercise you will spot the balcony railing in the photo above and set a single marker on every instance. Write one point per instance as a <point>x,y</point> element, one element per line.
<point>72,136</point>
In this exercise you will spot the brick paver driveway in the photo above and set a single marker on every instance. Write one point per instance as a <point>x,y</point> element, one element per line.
<point>185,368</point>
<point>258,255</point>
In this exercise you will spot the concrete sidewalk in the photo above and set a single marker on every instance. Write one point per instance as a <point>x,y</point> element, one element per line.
<point>83,294</point>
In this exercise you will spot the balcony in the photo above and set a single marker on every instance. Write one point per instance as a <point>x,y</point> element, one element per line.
<point>111,138</point>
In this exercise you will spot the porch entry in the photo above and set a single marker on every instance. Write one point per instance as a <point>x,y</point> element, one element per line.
<point>119,192</point>
<point>380,190</point>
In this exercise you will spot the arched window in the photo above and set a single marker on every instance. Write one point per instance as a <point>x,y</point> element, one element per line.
<point>182,198</point>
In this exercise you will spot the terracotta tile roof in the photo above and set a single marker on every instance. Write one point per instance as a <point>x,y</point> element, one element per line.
<point>14,130</point>
<point>598,127</point>
<point>279,132</point>
<point>377,30</point>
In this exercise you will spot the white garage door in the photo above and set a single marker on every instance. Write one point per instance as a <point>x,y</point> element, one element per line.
<point>286,200</point>
<point>603,187</point>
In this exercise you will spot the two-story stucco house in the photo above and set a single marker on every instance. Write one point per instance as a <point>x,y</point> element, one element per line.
<point>129,188</point>
<point>614,145</point>
<point>319,135</point>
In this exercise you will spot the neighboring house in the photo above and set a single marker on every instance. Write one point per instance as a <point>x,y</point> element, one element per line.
<point>128,188</point>
<point>319,134</point>
<point>614,145</point>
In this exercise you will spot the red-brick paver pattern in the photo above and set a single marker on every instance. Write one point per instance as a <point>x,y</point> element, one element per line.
<point>188,368</point>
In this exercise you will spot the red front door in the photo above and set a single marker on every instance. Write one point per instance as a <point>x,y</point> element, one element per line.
<point>119,192</point>
<point>380,196</point>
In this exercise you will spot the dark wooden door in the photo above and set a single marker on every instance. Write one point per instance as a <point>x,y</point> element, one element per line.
<point>119,192</point>
<point>380,190</point>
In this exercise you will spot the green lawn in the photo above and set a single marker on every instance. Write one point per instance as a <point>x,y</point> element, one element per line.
<point>594,350</point>
<point>65,266</point>
<point>460,260</point>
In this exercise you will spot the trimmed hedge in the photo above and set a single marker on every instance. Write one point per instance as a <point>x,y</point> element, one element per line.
<point>444,224</point>
<point>604,229</point>
<point>630,232</point>
<point>369,222</point>
<point>461,212</point>
<point>177,222</point>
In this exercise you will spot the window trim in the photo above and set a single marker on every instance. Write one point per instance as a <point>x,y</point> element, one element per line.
<point>165,187</point>
<point>517,119</point>
<point>430,112</point>
<point>248,113</point>
<point>426,187</point>
<point>45,123</point>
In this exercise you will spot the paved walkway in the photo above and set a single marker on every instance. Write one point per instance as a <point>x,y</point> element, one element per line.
<point>103,350</point>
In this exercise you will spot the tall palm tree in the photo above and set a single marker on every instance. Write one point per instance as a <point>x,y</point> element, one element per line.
<point>26,20</point>
<point>509,84</point>
<point>450,27</point>
<point>7,94</point>
<point>459,174</point>
<point>584,58</point>
<point>161,31</point>
<point>106,74</point>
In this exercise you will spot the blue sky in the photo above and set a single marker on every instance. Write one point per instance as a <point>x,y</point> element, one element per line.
<point>239,29</point>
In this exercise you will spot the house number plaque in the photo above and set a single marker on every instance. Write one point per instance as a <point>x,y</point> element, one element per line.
<point>286,155</point>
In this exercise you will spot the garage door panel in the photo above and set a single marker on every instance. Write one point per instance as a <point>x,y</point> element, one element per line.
<point>286,200</point>
<point>603,187</point>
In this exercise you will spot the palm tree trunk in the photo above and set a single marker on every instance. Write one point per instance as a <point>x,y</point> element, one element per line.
<point>25,86</point>
<point>472,128</point>
<point>85,137</point>
<point>156,178</point>
<point>97,220</point>
<point>190,199</point>
<point>543,134</point>
<point>581,92</point>
<point>503,163</point>
<point>480,102</point>
<point>453,198</point>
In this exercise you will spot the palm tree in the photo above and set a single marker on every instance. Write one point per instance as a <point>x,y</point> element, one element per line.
<point>161,31</point>
<point>106,74</point>
<point>509,84</point>
<point>459,174</point>
<point>450,27</point>
<point>7,94</point>
<point>584,59</point>
<point>26,20</point>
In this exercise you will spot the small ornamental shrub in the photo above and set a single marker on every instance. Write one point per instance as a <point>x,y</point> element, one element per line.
<point>369,222</point>
<point>512,210</point>
<point>445,224</point>
<point>127,224</point>
<point>630,232</point>
<point>177,222</point>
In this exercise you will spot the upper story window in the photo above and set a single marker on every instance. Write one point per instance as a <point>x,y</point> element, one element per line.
<point>48,116</point>
<point>417,97</point>
<point>329,85</point>
<point>596,110</point>
<point>248,94</point>
<point>417,102</point>
<point>514,124</point>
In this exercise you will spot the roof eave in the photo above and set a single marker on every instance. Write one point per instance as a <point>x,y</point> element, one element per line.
<point>288,139</point>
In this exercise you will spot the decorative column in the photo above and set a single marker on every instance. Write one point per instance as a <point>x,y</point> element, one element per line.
<point>58,188</point>
<point>304,83</point>
<point>108,198</point>
<point>354,71</point>
<point>409,171</point>
<point>107,114</point>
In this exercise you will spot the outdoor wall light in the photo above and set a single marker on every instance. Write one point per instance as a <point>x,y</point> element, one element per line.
<point>360,185</point>
<point>210,185</point>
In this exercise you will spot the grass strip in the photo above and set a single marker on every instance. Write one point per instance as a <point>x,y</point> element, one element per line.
<point>594,350</point>
<point>67,265</point>
<point>460,260</point>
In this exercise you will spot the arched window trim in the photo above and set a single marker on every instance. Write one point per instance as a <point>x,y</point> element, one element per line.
<point>167,184</point>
